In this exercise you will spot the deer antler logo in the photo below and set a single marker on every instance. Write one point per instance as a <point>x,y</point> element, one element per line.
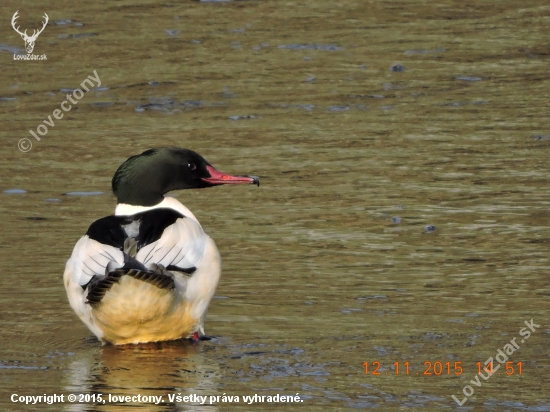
<point>29,40</point>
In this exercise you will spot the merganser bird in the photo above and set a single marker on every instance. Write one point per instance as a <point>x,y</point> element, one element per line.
<point>148,272</point>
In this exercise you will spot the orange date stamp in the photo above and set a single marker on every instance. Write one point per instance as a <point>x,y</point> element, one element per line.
<point>438,368</point>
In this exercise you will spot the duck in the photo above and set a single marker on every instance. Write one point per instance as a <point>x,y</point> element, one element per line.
<point>148,272</point>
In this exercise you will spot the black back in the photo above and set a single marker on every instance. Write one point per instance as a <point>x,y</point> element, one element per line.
<point>145,228</point>
<point>108,231</point>
<point>113,230</point>
<point>153,224</point>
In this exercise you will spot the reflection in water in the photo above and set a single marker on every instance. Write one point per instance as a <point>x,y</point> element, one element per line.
<point>152,370</point>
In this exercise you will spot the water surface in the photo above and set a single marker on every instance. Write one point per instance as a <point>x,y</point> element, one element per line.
<point>403,216</point>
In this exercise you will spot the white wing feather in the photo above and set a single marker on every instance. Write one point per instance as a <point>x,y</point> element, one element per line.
<point>90,258</point>
<point>181,244</point>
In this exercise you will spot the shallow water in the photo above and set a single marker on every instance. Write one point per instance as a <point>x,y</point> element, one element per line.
<point>403,216</point>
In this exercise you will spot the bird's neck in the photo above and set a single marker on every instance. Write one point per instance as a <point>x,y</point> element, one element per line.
<point>124,209</point>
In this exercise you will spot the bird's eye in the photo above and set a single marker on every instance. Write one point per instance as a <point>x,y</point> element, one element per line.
<point>191,166</point>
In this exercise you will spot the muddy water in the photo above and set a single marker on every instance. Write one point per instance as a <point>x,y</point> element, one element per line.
<point>404,213</point>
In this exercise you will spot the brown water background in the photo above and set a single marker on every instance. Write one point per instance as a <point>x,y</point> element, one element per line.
<point>367,121</point>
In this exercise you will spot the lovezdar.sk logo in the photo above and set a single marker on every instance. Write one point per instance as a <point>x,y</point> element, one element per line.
<point>29,40</point>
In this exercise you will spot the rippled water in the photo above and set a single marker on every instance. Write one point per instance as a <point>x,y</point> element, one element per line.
<point>404,212</point>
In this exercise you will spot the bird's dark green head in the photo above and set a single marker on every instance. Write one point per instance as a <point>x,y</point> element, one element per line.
<point>142,180</point>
